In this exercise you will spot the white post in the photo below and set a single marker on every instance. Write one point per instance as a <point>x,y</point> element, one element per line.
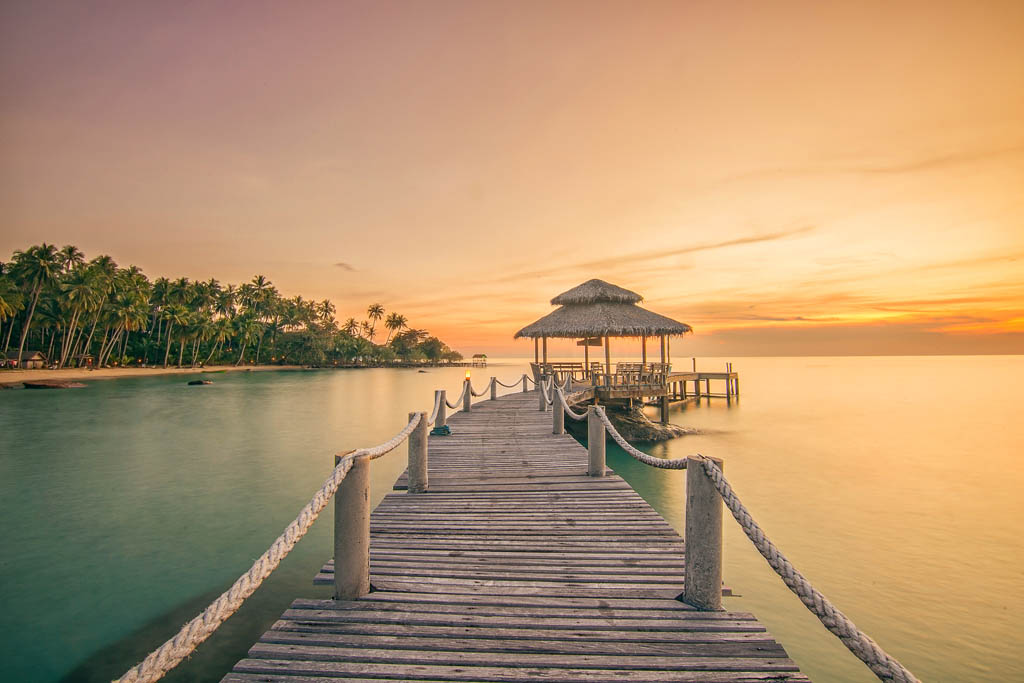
<point>418,455</point>
<point>494,388</point>
<point>442,409</point>
<point>703,576</point>
<point>352,532</point>
<point>526,385</point>
<point>467,396</point>
<point>595,443</point>
<point>557,414</point>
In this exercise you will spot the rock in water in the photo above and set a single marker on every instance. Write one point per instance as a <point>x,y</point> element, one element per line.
<point>633,425</point>
<point>199,382</point>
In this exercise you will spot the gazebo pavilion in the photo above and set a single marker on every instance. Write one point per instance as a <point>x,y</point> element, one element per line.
<point>597,310</point>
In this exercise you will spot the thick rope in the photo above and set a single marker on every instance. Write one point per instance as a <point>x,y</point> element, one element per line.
<point>569,411</point>
<point>170,654</point>
<point>546,387</point>
<point>646,459</point>
<point>867,650</point>
<point>508,386</point>
<point>472,391</point>
<point>458,401</point>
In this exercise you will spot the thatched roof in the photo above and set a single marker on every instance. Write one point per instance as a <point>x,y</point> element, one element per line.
<point>594,291</point>
<point>596,309</point>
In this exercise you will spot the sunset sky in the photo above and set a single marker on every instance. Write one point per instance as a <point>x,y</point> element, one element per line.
<point>787,177</point>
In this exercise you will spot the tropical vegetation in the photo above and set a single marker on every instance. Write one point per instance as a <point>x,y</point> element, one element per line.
<point>93,312</point>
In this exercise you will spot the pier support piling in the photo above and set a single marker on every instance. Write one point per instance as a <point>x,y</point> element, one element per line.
<point>418,455</point>
<point>595,443</point>
<point>442,408</point>
<point>664,409</point>
<point>703,577</point>
<point>557,416</point>
<point>352,532</point>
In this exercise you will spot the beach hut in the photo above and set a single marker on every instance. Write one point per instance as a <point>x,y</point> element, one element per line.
<point>479,360</point>
<point>32,360</point>
<point>597,310</point>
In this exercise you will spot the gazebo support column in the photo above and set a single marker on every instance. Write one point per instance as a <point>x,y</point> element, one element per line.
<point>607,356</point>
<point>544,343</point>
<point>643,350</point>
<point>586,358</point>
<point>536,350</point>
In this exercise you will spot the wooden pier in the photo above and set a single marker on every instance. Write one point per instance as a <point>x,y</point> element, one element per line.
<point>516,565</point>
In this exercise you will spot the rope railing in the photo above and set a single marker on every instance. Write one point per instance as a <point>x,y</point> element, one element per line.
<point>678,464</point>
<point>457,403</point>
<point>546,386</point>
<point>509,386</point>
<point>568,410</point>
<point>882,664</point>
<point>192,634</point>
<point>473,392</point>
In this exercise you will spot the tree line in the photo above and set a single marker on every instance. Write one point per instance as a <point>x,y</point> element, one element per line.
<point>55,301</point>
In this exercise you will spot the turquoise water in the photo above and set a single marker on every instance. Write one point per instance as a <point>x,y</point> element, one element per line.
<point>892,483</point>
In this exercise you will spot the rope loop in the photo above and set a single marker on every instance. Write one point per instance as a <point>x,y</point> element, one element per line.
<point>437,409</point>
<point>569,411</point>
<point>679,464</point>
<point>507,386</point>
<point>883,665</point>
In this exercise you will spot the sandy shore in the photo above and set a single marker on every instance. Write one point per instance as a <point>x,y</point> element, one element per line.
<point>16,377</point>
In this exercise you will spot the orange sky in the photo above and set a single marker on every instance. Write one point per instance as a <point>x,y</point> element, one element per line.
<point>787,177</point>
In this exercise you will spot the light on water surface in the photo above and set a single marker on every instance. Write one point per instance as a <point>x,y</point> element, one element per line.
<point>891,483</point>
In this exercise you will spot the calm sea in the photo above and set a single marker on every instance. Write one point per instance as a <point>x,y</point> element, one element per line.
<point>895,484</point>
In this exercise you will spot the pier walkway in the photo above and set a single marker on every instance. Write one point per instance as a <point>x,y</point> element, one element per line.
<point>515,565</point>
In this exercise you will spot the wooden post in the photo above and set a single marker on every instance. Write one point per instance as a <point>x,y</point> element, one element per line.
<point>467,396</point>
<point>586,358</point>
<point>418,455</point>
<point>707,387</point>
<point>442,410</point>
<point>668,350</point>
<point>352,531</point>
<point>595,443</point>
<point>607,356</point>
<point>494,388</point>
<point>728,387</point>
<point>643,351</point>
<point>545,344</point>
<point>542,405</point>
<point>703,575</point>
<point>664,409</point>
<point>557,414</point>
<point>696,388</point>
<point>536,350</point>
<point>736,382</point>
<point>526,385</point>
<point>663,361</point>
<point>694,364</point>
<point>682,389</point>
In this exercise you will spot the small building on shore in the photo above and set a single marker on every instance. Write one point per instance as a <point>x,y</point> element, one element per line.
<point>32,360</point>
<point>479,360</point>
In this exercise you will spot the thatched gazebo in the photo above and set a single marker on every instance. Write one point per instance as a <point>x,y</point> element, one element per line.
<point>597,309</point>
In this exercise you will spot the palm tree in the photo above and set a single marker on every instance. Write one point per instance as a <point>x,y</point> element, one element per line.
<point>247,328</point>
<point>394,322</point>
<point>375,312</point>
<point>351,327</point>
<point>70,257</point>
<point>35,268</point>
<point>175,314</point>
<point>11,301</point>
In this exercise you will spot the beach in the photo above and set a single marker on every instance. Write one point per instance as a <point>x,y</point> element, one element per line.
<point>14,378</point>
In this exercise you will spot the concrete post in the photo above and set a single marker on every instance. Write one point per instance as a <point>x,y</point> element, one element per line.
<point>442,409</point>
<point>595,443</point>
<point>557,415</point>
<point>494,389</point>
<point>526,385</point>
<point>467,396</point>
<point>703,577</point>
<point>542,405</point>
<point>418,455</point>
<point>352,532</point>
